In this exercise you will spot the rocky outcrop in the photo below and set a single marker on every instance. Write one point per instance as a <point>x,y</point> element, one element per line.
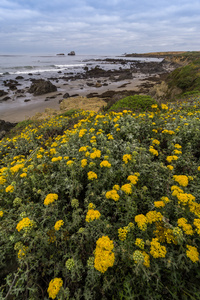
<point>162,91</point>
<point>3,93</point>
<point>41,87</point>
<point>71,53</point>
<point>5,127</point>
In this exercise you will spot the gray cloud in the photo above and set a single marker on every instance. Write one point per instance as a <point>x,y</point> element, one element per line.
<point>89,26</point>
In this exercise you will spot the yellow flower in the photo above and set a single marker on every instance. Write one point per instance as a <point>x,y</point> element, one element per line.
<point>197,224</point>
<point>154,106</point>
<point>170,167</point>
<point>1,213</point>
<point>164,106</point>
<point>153,151</point>
<point>105,164</point>
<point>22,252</point>
<point>156,249</point>
<point>187,228</point>
<point>92,215</point>
<point>181,179</point>
<point>126,188</point>
<point>122,232</point>
<point>127,157</point>
<point>2,180</point>
<point>154,216</point>
<point>24,223</point>
<point>139,243</point>
<point>112,195</point>
<point>155,142</point>
<point>198,168</point>
<point>104,257</point>
<point>50,198</point>
<point>58,224</point>
<point>54,159</point>
<point>83,163</point>
<point>133,179</point>
<point>70,162</point>
<point>192,253</point>
<point>177,146</point>
<point>116,187</point>
<point>91,206</point>
<point>54,287</point>
<point>141,221</point>
<point>10,189</point>
<point>170,158</point>
<point>92,175</point>
<point>23,175</point>
<point>83,149</point>
<point>159,204</point>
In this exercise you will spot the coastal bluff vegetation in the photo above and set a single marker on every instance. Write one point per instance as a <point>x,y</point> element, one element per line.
<point>98,205</point>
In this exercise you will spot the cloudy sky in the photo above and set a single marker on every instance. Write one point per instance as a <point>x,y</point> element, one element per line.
<point>98,26</point>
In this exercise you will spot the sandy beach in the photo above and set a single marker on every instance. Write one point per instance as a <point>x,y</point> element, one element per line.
<point>17,110</point>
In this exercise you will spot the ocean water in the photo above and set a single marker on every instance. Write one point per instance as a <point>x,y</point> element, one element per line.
<point>48,65</point>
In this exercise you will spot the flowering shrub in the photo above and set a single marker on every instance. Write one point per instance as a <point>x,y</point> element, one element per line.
<point>95,205</point>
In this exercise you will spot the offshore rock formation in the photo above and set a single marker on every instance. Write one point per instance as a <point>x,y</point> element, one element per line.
<point>41,86</point>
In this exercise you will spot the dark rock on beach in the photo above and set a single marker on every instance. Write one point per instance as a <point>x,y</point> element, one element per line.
<point>41,86</point>
<point>5,127</point>
<point>3,93</point>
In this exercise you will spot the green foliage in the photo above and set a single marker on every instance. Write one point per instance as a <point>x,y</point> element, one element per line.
<point>70,182</point>
<point>135,103</point>
<point>186,77</point>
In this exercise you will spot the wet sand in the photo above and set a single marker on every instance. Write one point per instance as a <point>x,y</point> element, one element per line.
<point>16,110</point>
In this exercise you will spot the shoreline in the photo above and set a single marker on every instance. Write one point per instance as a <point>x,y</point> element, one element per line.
<point>92,82</point>
<point>18,110</point>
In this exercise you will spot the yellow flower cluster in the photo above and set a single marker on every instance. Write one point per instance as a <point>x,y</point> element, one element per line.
<point>10,189</point>
<point>181,179</point>
<point>82,132</point>
<point>197,224</point>
<point>82,149</point>
<point>164,106</point>
<point>140,243</point>
<point>112,195</point>
<point>159,204</point>
<point>95,154</point>
<point>83,163</point>
<point>92,215</point>
<point>22,252</point>
<point>55,159</point>
<point>24,223</point>
<point>1,213</point>
<point>153,216</point>
<point>2,180</point>
<point>192,253</point>
<point>187,228</point>
<point>16,168</point>
<point>141,221</point>
<point>92,175</point>
<point>172,157</point>
<point>50,198</point>
<point>141,257</point>
<point>105,164</point>
<point>153,151</point>
<point>104,256</point>
<point>168,131</point>
<point>54,287</point>
<point>127,157</point>
<point>156,142</point>
<point>122,232</point>
<point>156,249</point>
<point>127,188</point>
<point>164,234</point>
<point>58,224</point>
<point>133,179</point>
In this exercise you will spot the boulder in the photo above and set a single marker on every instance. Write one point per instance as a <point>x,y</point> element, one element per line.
<point>5,127</point>
<point>41,86</point>
<point>3,93</point>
